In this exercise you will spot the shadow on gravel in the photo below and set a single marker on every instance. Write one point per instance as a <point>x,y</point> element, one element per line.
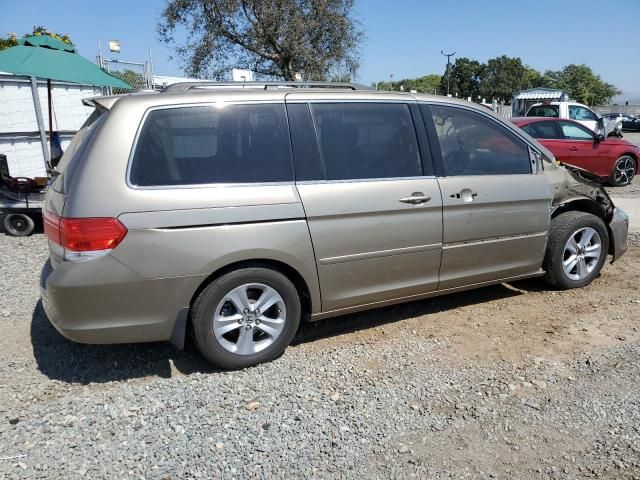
<point>382,316</point>
<point>67,361</point>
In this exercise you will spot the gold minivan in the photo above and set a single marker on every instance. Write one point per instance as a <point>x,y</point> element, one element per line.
<point>238,210</point>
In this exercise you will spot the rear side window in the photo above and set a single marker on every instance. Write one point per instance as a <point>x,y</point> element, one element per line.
<point>366,140</point>
<point>208,144</point>
<point>544,111</point>
<point>473,144</point>
<point>543,130</point>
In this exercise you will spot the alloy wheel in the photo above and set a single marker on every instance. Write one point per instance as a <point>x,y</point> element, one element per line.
<point>581,253</point>
<point>625,170</point>
<point>249,318</point>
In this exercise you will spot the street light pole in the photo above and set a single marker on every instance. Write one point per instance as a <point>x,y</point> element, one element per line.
<point>448,55</point>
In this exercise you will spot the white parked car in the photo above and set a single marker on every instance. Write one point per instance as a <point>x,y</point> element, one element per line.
<point>580,113</point>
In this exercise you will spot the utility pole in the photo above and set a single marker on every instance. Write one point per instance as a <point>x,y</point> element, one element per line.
<point>448,55</point>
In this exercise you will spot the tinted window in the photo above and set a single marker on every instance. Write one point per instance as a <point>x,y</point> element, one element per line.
<point>541,130</point>
<point>572,131</point>
<point>198,145</point>
<point>306,156</point>
<point>366,140</point>
<point>473,144</point>
<point>580,113</point>
<point>544,111</point>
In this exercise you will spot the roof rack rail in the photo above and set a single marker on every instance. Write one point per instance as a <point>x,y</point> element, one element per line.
<point>183,87</point>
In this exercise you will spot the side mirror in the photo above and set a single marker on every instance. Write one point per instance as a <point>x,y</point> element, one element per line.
<point>600,138</point>
<point>601,122</point>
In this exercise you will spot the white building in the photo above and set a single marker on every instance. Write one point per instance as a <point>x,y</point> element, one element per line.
<point>19,135</point>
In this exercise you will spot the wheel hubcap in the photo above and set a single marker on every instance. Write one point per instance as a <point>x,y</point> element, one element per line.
<point>581,253</point>
<point>18,224</point>
<point>625,171</point>
<point>249,318</point>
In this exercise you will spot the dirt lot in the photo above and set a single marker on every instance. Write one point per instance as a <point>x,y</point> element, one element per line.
<point>511,381</point>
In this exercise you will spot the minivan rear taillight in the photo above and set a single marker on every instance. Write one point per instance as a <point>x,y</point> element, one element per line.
<point>84,238</point>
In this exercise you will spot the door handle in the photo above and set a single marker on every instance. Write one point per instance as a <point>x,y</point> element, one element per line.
<point>416,198</point>
<point>573,149</point>
<point>465,194</point>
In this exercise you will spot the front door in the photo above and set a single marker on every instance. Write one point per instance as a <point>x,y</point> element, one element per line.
<point>585,116</point>
<point>373,209</point>
<point>495,209</point>
<point>585,152</point>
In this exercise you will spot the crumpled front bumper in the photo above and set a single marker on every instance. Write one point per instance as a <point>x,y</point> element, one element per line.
<point>619,230</point>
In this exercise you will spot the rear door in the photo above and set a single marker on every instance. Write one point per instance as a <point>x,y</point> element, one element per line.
<point>495,209</point>
<point>372,203</point>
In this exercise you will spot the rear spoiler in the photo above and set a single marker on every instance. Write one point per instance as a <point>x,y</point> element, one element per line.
<point>101,103</point>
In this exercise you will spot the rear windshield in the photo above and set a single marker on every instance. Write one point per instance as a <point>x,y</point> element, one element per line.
<point>208,144</point>
<point>64,170</point>
<point>544,111</point>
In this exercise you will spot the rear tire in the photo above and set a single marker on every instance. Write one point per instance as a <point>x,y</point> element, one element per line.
<point>18,224</point>
<point>228,326</point>
<point>576,250</point>
<point>623,171</point>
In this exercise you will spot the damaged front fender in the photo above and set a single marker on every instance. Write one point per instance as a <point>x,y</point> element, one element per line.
<point>575,191</point>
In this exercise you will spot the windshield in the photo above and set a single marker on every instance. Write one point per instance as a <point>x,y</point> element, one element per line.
<point>544,111</point>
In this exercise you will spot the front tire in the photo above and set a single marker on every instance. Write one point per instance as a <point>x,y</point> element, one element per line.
<point>623,171</point>
<point>246,317</point>
<point>576,250</point>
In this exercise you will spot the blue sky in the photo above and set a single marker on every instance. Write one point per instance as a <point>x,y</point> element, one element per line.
<point>404,37</point>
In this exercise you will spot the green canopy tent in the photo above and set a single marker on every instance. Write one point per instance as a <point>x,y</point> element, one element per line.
<point>42,56</point>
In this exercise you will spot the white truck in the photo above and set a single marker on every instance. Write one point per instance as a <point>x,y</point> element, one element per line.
<point>580,113</point>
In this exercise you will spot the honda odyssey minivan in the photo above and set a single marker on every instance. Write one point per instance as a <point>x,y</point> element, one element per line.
<point>238,211</point>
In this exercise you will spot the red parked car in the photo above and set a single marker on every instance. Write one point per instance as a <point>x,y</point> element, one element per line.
<point>612,159</point>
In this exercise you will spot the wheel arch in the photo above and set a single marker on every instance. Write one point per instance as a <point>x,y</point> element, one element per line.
<point>586,205</point>
<point>288,271</point>
<point>633,155</point>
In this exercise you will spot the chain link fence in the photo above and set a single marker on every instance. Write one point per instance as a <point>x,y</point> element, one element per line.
<point>138,75</point>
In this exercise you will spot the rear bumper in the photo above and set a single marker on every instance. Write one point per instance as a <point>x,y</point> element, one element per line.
<point>103,302</point>
<point>619,230</point>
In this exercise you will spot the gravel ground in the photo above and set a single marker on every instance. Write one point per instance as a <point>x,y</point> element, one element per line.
<point>512,381</point>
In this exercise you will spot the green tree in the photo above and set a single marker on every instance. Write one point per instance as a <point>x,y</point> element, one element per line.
<point>425,84</point>
<point>534,78</point>
<point>465,78</point>
<point>318,39</point>
<point>581,84</point>
<point>11,40</point>
<point>40,30</point>
<point>503,76</point>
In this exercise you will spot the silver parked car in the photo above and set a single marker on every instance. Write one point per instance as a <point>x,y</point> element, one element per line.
<point>238,212</point>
